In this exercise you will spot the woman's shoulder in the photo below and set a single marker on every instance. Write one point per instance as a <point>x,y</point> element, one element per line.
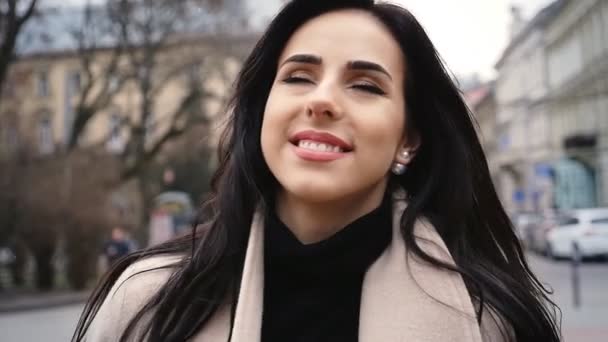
<point>137,284</point>
<point>149,270</point>
<point>144,277</point>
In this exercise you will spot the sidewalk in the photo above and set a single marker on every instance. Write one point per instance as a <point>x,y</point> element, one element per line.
<point>589,322</point>
<point>27,300</point>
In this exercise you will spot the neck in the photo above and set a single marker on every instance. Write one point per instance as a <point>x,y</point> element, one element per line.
<point>312,222</point>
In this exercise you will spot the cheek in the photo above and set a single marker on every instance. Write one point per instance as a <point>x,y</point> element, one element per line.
<point>383,133</point>
<point>273,125</point>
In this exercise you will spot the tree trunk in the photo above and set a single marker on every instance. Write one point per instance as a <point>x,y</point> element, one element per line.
<point>18,266</point>
<point>82,249</point>
<point>146,198</point>
<point>45,271</point>
<point>11,29</point>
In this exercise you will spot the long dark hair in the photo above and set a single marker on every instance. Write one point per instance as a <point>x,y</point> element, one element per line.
<point>448,182</point>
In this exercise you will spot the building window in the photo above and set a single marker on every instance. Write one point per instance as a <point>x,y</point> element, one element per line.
<point>74,83</point>
<point>149,128</point>
<point>115,143</point>
<point>604,18</point>
<point>12,138</point>
<point>8,90</point>
<point>9,137</point>
<point>194,73</point>
<point>504,142</point>
<point>113,83</point>
<point>45,136</point>
<point>42,84</point>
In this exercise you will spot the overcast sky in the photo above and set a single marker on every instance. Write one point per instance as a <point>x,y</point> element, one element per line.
<point>469,34</point>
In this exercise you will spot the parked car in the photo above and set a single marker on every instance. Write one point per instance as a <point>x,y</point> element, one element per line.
<point>584,235</point>
<point>523,222</point>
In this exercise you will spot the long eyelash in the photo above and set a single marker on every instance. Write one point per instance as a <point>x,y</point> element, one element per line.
<point>363,87</point>
<point>296,80</point>
<point>370,89</point>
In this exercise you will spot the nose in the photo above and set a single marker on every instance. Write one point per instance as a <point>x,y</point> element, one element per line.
<point>323,103</point>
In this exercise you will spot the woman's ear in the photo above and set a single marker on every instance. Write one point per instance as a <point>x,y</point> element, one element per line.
<point>408,148</point>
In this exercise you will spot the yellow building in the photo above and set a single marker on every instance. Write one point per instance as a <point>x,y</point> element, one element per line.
<point>39,105</point>
<point>44,87</point>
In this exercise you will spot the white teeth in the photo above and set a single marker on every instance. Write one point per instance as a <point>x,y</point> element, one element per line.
<point>320,147</point>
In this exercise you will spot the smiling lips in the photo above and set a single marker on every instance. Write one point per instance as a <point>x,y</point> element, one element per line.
<point>319,146</point>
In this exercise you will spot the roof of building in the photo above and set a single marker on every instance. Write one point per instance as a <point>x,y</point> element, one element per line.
<point>54,31</point>
<point>49,32</point>
<point>540,20</point>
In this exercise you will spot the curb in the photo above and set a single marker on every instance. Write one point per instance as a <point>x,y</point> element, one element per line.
<point>41,301</point>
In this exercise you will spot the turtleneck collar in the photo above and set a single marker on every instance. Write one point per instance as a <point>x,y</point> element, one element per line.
<point>349,251</point>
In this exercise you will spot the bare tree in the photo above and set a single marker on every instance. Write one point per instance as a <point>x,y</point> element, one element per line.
<point>140,43</point>
<point>13,16</point>
<point>141,47</point>
<point>147,27</point>
<point>100,53</point>
<point>43,218</point>
<point>150,30</point>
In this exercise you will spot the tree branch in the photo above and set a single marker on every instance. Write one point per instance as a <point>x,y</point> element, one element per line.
<point>28,13</point>
<point>91,102</point>
<point>12,27</point>
<point>177,128</point>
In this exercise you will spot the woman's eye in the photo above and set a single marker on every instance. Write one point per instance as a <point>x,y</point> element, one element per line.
<point>370,88</point>
<point>297,79</point>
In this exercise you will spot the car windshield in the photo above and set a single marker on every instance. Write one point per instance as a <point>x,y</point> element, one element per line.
<point>602,221</point>
<point>565,220</point>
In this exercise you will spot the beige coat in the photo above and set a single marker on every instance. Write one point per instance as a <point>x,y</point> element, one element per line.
<point>403,298</point>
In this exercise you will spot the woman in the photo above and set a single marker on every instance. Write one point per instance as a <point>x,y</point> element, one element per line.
<point>352,202</point>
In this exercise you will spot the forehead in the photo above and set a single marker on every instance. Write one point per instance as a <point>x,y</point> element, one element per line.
<point>347,35</point>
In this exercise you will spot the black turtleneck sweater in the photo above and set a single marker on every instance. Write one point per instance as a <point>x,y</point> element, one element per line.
<point>312,292</point>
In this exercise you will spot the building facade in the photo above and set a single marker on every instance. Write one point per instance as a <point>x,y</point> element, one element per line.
<point>45,83</point>
<point>577,63</point>
<point>523,152</point>
<point>552,110</point>
<point>481,100</point>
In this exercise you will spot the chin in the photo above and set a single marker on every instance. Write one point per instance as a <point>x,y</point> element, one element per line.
<point>315,191</point>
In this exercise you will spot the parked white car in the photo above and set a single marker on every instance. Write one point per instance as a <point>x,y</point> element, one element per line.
<point>583,234</point>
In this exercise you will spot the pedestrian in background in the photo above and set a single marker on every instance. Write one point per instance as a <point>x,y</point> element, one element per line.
<point>352,202</point>
<point>118,246</point>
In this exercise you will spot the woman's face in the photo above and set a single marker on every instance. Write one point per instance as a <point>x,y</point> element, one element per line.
<point>334,119</point>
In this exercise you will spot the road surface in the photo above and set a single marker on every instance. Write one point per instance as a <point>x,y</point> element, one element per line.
<point>589,323</point>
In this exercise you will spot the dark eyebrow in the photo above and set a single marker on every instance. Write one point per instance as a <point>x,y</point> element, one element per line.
<point>365,65</point>
<point>352,65</point>
<point>308,59</point>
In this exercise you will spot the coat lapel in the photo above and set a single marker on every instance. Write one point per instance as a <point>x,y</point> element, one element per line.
<point>248,318</point>
<point>407,299</point>
<point>403,297</point>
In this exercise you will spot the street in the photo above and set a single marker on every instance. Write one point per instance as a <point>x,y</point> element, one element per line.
<point>52,325</point>
<point>589,323</point>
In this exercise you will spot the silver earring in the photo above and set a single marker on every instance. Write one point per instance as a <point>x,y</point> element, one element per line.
<point>399,168</point>
<point>405,154</point>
